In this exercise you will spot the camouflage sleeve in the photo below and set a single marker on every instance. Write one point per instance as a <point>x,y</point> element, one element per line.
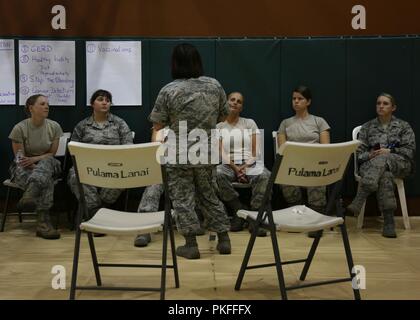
<point>223,105</point>
<point>407,146</point>
<point>160,112</point>
<point>126,136</point>
<point>78,132</point>
<point>363,149</point>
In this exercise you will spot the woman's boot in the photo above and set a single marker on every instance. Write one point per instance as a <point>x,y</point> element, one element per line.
<point>44,228</point>
<point>190,249</point>
<point>223,244</point>
<point>389,225</point>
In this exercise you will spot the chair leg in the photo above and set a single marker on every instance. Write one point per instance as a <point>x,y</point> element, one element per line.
<point>6,207</point>
<point>94,259</point>
<point>164,259</point>
<point>126,199</point>
<point>279,268</point>
<point>310,256</point>
<point>75,264</point>
<point>173,250</point>
<point>20,213</point>
<point>361,217</point>
<point>245,261</point>
<point>403,203</point>
<point>349,259</point>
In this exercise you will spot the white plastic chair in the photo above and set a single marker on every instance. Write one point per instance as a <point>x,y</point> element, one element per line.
<point>61,152</point>
<point>306,165</point>
<point>122,167</point>
<point>275,142</point>
<point>399,183</point>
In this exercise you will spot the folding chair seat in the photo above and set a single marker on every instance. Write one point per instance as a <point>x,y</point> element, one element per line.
<point>120,166</point>
<point>305,165</point>
<point>398,182</point>
<point>61,153</point>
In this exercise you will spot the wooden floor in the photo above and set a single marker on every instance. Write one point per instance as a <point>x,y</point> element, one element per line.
<point>392,265</point>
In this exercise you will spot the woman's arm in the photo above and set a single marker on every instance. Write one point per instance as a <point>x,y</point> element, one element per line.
<point>17,146</point>
<point>324,137</point>
<point>226,158</point>
<point>29,161</point>
<point>155,129</point>
<point>281,138</point>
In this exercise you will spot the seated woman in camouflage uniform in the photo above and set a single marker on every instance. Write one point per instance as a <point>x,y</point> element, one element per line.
<point>102,127</point>
<point>387,152</point>
<point>35,142</point>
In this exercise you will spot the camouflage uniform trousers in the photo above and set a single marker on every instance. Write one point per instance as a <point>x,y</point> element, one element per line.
<point>150,201</point>
<point>42,176</point>
<point>378,176</point>
<point>317,199</point>
<point>95,197</point>
<point>151,198</point>
<point>196,186</point>
<point>225,177</point>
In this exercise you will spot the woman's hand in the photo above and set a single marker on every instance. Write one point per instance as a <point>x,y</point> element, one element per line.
<point>27,162</point>
<point>241,174</point>
<point>379,152</point>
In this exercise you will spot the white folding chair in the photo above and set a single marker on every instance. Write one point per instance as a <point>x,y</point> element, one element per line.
<point>120,166</point>
<point>275,142</point>
<point>61,153</point>
<point>306,165</point>
<point>398,182</point>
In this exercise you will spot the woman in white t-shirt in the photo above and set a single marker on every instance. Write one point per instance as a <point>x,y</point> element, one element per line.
<point>239,146</point>
<point>304,127</point>
<point>35,142</point>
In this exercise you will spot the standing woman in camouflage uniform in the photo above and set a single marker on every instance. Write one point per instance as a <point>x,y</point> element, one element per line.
<point>190,102</point>
<point>36,140</point>
<point>387,152</point>
<point>102,127</point>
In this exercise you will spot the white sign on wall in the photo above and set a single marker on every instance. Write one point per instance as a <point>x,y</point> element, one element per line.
<point>48,68</point>
<point>115,66</point>
<point>7,72</point>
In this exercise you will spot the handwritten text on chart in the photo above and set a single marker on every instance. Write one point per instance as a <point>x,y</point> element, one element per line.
<point>48,68</point>
<point>7,72</point>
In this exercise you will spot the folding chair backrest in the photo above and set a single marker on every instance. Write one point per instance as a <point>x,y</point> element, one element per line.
<point>62,144</point>
<point>312,165</point>
<point>355,135</point>
<point>117,166</point>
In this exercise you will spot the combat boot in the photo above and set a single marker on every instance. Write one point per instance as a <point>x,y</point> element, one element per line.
<point>356,206</point>
<point>190,249</point>
<point>223,243</point>
<point>44,228</point>
<point>142,240</point>
<point>28,201</point>
<point>260,233</point>
<point>236,224</point>
<point>389,225</point>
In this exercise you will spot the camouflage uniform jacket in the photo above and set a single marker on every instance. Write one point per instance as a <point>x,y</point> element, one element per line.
<point>398,136</point>
<point>198,102</point>
<point>114,131</point>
